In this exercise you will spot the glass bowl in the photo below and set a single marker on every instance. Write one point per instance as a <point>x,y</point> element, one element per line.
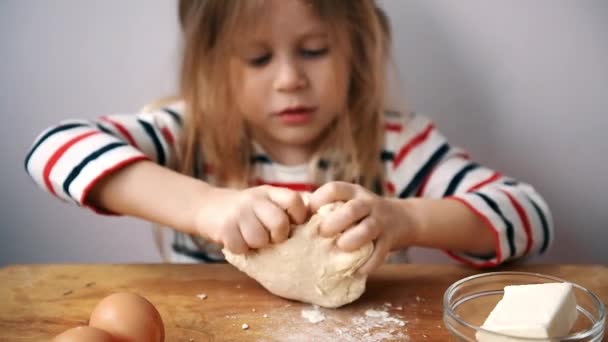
<point>469,301</point>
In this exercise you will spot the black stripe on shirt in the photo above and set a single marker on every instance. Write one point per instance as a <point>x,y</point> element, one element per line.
<point>541,216</point>
<point>199,255</point>
<point>387,156</point>
<point>423,172</point>
<point>196,166</point>
<point>544,224</point>
<point>78,168</point>
<point>174,115</point>
<point>458,178</point>
<point>508,224</point>
<point>104,129</point>
<point>323,164</point>
<point>48,134</point>
<point>392,114</point>
<point>260,158</point>
<point>487,257</point>
<point>179,246</point>
<point>160,152</point>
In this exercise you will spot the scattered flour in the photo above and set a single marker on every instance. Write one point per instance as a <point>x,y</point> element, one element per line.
<point>313,316</point>
<point>320,324</point>
<point>376,313</point>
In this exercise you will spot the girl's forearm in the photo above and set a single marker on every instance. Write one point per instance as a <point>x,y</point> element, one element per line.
<point>443,224</point>
<point>153,193</point>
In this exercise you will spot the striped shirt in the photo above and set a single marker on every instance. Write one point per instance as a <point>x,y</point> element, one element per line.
<point>68,159</point>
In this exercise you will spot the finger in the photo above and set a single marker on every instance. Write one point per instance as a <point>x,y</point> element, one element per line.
<point>252,230</point>
<point>291,202</point>
<point>357,236</point>
<point>234,242</point>
<point>378,257</point>
<point>344,217</point>
<point>331,192</point>
<point>274,220</point>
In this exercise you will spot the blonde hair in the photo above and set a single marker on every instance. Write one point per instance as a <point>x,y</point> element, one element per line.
<point>352,144</point>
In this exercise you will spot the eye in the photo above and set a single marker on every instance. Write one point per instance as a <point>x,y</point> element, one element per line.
<point>312,53</point>
<point>260,61</point>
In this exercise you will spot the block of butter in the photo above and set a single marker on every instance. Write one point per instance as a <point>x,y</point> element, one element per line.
<point>536,310</point>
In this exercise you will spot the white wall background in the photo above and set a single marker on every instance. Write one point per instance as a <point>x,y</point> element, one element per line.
<point>522,85</point>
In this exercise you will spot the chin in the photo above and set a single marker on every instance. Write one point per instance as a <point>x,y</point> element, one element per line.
<point>299,138</point>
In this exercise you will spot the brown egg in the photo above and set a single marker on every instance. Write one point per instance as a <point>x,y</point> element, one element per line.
<point>129,318</point>
<point>84,334</point>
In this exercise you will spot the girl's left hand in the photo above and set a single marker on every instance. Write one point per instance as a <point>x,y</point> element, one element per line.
<point>364,217</point>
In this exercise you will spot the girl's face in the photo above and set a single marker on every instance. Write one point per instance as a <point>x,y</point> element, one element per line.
<point>291,83</point>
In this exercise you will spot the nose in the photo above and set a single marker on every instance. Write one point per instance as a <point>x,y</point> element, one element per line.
<point>290,76</point>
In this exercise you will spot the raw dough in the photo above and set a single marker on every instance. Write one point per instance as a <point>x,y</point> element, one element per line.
<point>307,267</point>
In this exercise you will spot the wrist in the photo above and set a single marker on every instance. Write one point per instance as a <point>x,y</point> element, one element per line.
<point>199,213</point>
<point>408,223</point>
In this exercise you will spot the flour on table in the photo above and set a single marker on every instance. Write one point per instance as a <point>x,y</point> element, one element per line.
<point>313,315</point>
<point>376,313</point>
<point>375,324</point>
<point>384,315</point>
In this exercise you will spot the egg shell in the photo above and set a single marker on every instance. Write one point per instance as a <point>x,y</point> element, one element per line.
<point>129,318</point>
<point>84,334</point>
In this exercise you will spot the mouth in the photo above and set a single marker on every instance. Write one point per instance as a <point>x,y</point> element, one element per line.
<point>297,115</point>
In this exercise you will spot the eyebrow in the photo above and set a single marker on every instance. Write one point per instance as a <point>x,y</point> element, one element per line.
<point>314,33</point>
<point>254,40</point>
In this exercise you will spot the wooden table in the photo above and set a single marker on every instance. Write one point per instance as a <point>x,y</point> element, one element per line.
<point>39,301</point>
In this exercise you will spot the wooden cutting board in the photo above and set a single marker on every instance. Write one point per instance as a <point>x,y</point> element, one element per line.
<point>39,301</point>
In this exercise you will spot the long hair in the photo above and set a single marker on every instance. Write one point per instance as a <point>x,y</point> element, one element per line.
<point>353,142</point>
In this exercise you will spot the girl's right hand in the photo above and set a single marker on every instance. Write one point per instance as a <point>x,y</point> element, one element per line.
<point>249,219</point>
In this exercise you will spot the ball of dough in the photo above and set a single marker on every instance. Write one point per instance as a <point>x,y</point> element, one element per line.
<point>308,267</point>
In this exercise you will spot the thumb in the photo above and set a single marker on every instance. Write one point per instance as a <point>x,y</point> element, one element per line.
<point>378,257</point>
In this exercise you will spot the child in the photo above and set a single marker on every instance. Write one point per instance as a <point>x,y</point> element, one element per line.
<point>279,97</point>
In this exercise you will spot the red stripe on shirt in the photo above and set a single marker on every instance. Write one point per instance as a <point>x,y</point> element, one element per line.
<point>292,186</point>
<point>490,226</point>
<point>58,153</point>
<point>390,187</point>
<point>122,130</point>
<point>208,169</point>
<point>524,218</point>
<point>463,155</point>
<point>168,136</point>
<point>393,127</point>
<point>417,140</point>
<point>99,177</point>
<point>425,182</point>
<point>494,177</point>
